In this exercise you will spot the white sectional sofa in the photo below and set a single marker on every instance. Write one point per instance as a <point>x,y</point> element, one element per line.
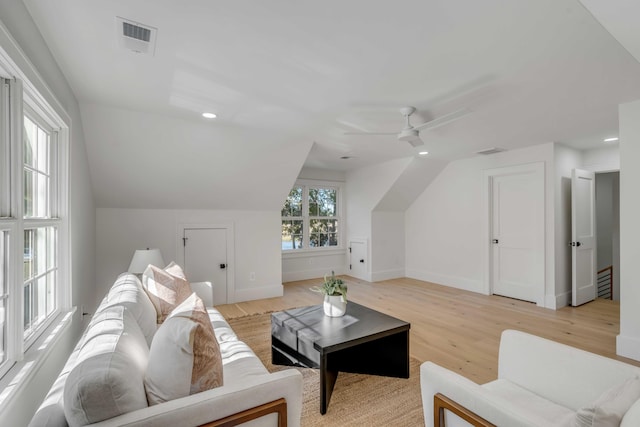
<point>111,354</point>
<point>540,383</point>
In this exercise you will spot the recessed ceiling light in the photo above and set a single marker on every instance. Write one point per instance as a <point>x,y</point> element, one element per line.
<point>423,153</point>
<point>209,115</point>
<point>345,157</point>
<point>612,139</point>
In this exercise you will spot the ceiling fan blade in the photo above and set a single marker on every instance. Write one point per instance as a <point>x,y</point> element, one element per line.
<point>416,142</point>
<point>442,120</point>
<point>370,133</point>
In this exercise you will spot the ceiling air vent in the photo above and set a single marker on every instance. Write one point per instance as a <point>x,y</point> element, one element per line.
<point>136,37</point>
<point>492,150</point>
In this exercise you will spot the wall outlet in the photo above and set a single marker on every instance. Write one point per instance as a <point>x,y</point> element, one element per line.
<point>252,276</point>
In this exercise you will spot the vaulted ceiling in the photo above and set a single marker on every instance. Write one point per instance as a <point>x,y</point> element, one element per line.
<point>287,79</point>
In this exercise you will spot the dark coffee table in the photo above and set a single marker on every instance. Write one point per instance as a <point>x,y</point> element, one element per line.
<point>363,341</point>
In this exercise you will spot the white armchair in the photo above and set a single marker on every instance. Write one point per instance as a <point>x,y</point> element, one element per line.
<point>540,383</point>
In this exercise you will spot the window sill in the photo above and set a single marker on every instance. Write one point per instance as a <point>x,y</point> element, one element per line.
<point>22,372</point>
<point>305,253</point>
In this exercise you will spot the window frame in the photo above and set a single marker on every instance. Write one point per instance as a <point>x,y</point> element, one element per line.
<point>306,218</point>
<point>25,99</point>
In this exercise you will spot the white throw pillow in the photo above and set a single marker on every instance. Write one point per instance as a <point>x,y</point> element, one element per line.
<point>609,409</point>
<point>108,378</point>
<point>185,356</point>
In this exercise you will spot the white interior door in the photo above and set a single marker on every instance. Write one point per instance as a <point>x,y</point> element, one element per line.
<point>357,259</point>
<point>517,233</point>
<point>205,259</point>
<point>583,237</point>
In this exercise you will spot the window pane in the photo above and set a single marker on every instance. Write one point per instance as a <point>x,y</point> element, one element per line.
<point>323,232</point>
<point>322,202</point>
<point>293,204</point>
<point>37,152</point>
<point>291,234</point>
<point>40,274</point>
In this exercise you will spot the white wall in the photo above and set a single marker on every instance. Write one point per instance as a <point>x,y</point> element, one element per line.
<point>387,245</point>
<point>444,241</point>
<point>257,244</point>
<point>628,341</point>
<point>33,49</point>
<point>605,159</point>
<point>365,187</point>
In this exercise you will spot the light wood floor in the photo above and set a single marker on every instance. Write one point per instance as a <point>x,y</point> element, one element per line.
<point>457,329</point>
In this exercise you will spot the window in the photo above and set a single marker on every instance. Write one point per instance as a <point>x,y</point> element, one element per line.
<point>310,217</point>
<point>33,223</point>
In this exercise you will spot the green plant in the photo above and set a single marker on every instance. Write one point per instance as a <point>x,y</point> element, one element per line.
<point>332,286</point>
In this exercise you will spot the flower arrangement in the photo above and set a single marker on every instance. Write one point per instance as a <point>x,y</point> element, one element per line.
<point>332,286</point>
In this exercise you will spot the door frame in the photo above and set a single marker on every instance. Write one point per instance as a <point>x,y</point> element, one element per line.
<point>231,266</point>
<point>487,201</point>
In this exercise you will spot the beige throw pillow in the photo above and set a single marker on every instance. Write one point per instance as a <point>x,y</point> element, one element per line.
<point>166,291</point>
<point>185,356</point>
<point>611,406</point>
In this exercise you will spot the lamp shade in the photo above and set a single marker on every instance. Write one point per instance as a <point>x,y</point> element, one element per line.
<point>143,257</point>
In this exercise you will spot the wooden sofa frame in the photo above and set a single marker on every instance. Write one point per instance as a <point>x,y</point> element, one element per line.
<point>277,406</point>
<point>442,402</point>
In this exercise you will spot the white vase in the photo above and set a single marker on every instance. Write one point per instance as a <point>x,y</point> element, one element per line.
<point>334,306</point>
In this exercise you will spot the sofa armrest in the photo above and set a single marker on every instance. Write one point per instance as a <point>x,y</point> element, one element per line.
<point>221,402</point>
<point>435,379</point>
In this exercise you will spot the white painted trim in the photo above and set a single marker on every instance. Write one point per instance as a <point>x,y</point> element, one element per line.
<point>259,293</point>
<point>555,302</point>
<point>24,371</point>
<point>487,177</point>
<point>315,273</point>
<point>301,253</point>
<point>463,283</point>
<point>231,250</point>
<point>378,276</point>
<point>628,346</point>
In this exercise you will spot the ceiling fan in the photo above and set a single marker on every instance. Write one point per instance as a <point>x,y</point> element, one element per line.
<point>410,133</point>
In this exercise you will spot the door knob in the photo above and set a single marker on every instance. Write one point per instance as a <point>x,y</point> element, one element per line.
<point>362,261</point>
<point>575,243</point>
<point>494,241</point>
<point>223,266</point>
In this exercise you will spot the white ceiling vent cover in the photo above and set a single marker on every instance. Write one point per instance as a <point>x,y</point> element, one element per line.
<point>492,150</point>
<point>136,37</point>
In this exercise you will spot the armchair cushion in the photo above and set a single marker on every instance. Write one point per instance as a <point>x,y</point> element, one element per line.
<point>609,409</point>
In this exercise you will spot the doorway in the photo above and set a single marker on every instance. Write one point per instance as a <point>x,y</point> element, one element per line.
<point>608,232</point>
<point>207,256</point>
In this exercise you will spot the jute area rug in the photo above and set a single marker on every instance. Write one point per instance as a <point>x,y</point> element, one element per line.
<point>357,400</point>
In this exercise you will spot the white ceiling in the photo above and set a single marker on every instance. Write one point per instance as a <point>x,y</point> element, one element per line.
<point>280,73</point>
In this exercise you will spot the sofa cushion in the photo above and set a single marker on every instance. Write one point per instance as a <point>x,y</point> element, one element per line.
<point>609,409</point>
<point>107,379</point>
<point>529,405</point>
<point>186,346</point>
<point>127,291</point>
<point>165,290</point>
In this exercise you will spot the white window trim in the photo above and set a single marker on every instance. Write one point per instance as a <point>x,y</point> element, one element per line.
<point>38,96</point>
<point>306,250</point>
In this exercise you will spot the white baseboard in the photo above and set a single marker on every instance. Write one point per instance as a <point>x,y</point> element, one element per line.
<point>446,280</point>
<point>258,293</point>
<point>627,346</point>
<point>292,276</point>
<point>378,276</point>
<point>555,302</point>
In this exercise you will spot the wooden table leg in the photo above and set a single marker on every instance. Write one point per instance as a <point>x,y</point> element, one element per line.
<point>327,381</point>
